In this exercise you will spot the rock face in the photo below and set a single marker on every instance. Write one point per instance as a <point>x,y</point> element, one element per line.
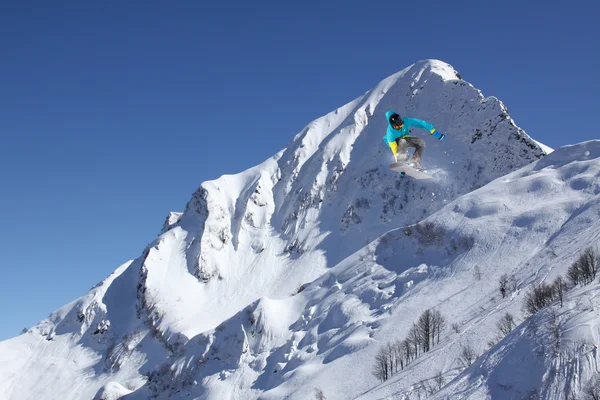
<point>273,273</point>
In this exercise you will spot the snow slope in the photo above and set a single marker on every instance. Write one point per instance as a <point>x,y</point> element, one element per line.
<point>277,280</point>
<point>532,223</point>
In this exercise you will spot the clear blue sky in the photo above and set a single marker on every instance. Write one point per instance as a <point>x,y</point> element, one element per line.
<point>113,112</point>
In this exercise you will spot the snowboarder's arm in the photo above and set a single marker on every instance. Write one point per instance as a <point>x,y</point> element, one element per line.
<point>419,123</point>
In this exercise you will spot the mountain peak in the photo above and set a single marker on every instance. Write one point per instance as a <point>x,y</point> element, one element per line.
<point>441,68</point>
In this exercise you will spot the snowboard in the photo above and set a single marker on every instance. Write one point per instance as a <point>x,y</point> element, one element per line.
<point>405,169</point>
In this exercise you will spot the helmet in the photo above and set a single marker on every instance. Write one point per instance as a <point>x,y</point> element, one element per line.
<point>396,121</point>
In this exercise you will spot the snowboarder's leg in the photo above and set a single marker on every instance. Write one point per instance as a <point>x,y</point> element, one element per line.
<point>402,146</point>
<point>419,145</point>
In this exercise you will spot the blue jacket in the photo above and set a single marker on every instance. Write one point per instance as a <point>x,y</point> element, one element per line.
<point>392,135</point>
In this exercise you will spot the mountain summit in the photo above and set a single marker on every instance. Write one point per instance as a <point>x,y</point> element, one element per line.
<point>276,282</point>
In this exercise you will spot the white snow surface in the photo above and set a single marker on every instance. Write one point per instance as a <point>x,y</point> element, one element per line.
<point>288,277</point>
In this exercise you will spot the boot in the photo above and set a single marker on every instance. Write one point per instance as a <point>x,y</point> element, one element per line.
<point>416,163</point>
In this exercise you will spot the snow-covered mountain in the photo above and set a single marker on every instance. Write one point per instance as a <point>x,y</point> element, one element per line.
<point>286,279</point>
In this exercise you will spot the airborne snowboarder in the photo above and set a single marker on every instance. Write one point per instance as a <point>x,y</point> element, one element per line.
<point>398,137</point>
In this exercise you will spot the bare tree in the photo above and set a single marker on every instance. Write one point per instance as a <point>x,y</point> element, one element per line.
<point>430,325</point>
<point>429,388</point>
<point>407,349</point>
<point>428,233</point>
<point>539,297</point>
<point>439,380</point>
<point>585,268</point>
<point>381,369</point>
<point>425,329</point>
<point>590,260</point>
<point>394,357</point>
<point>420,390</point>
<point>401,360</point>
<point>391,358</point>
<point>456,327</point>
<point>467,355</point>
<point>319,394</point>
<point>554,327</point>
<point>503,283</point>
<point>513,285</point>
<point>439,324</point>
<point>575,274</point>
<point>560,286</point>
<point>506,324</point>
<point>415,339</point>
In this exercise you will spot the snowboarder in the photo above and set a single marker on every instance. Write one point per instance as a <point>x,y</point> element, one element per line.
<point>398,137</point>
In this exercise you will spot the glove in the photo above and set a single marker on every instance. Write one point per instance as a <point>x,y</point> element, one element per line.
<point>437,135</point>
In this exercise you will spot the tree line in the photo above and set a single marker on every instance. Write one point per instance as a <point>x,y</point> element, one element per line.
<point>422,336</point>
<point>582,272</point>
